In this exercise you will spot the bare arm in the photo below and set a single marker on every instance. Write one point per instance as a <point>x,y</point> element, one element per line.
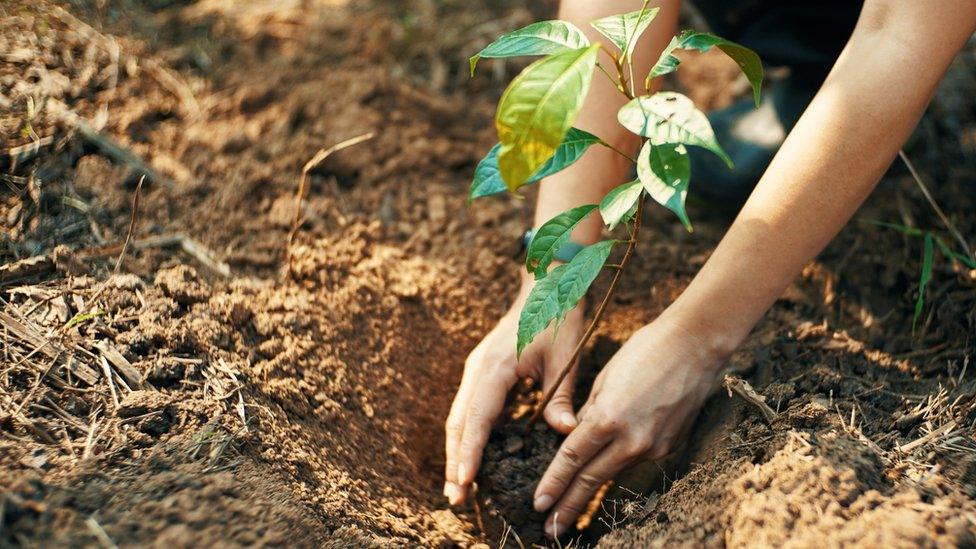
<point>831,161</point>
<point>833,158</point>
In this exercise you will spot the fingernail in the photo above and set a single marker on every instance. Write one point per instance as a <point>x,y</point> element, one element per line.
<point>555,530</point>
<point>542,502</point>
<point>568,419</point>
<point>461,473</point>
<point>452,492</point>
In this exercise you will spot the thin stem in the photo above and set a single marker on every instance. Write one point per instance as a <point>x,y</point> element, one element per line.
<point>625,87</point>
<point>618,151</point>
<point>624,55</point>
<point>630,65</point>
<point>610,76</point>
<point>632,243</point>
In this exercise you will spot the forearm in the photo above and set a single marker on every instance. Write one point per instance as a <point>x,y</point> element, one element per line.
<point>828,165</point>
<point>601,169</point>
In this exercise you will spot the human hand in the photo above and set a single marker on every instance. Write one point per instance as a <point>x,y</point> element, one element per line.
<point>490,372</point>
<point>640,403</point>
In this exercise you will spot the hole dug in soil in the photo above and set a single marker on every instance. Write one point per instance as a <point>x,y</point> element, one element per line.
<point>310,412</point>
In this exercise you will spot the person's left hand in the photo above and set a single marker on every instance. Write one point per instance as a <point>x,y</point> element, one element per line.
<point>640,403</point>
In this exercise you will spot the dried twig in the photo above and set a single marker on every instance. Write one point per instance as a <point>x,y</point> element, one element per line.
<point>932,435</point>
<point>742,388</point>
<point>203,255</point>
<point>317,159</point>
<point>175,85</point>
<point>189,245</point>
<point>477,509</point>
<point>99,533</point>
<point>40,379</point>
<point>129,373</point>
<point>90,440</point>
<point>106,144</point>
<point>30,267</point>
<point>27,151</point>
<point>23,330</point>
<point>107,370</point>
<point>132,224</point>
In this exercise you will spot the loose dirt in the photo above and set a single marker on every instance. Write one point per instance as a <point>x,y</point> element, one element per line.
<point>301,402</point>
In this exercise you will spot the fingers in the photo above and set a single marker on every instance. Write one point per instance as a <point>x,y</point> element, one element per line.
<point>602,468</point>
<point>485,406</point>
<point>576,451</point>
<point>559,412</point>
<point>454,427</point>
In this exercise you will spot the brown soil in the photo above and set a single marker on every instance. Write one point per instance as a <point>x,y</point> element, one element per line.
<point>302,404</point>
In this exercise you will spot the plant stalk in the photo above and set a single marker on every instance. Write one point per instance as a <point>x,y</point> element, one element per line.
<point>631,244</point>
<point>622,85</point>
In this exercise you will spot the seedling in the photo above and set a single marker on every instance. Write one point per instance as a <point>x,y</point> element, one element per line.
<point>536,136</point>
<point>929,242</point>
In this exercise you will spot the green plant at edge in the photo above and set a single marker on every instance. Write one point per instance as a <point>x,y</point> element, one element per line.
<point>929,242</point>
<point>534,121</point>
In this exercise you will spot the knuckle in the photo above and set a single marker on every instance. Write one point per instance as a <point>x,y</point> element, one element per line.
<point>596,416</point>
<point>609,426</point>
<point>559,477</point>
<point>589,482</point>
<point>559,400</point>
<point>500,370</point>
<point>636,447</point>
<point>571,456</point>
<point>604,423</point>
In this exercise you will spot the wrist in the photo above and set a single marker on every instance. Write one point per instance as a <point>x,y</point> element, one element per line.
<point>712,342</point>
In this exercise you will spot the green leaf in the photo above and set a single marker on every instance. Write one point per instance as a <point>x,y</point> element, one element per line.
<point>665,170</point>
<point>619,203</point>
<point>667,63</point>
<point>554,296</point>
<point>912,231</point>
<point>488,180</point>
<point>579,274</point>
<point>538,109</point>
<point>903,229</point>
<point>541,307</point>
<point>82,318</point>
<point>747,59</point>
<point>950,253</point>
<point>568,152</point>
<point>551,236</point>
<point>542,38</point>
<point>924,278</point>
<point>669,117</point>
<point>624,30</point>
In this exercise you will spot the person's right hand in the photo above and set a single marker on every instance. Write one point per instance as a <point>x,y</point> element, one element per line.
<point>490,372</point>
